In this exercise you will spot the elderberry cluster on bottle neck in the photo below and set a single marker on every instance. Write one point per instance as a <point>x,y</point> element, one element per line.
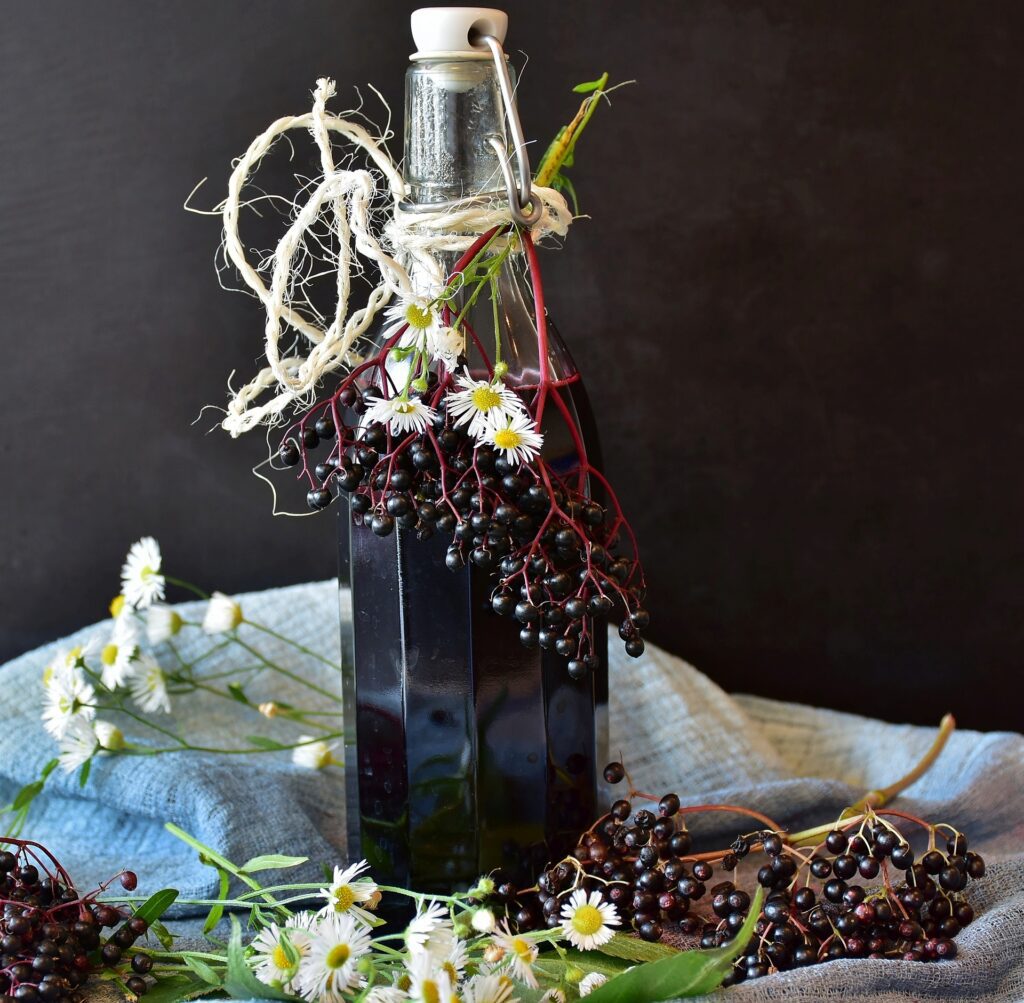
<point>551,548</point>
<point>51,938</point>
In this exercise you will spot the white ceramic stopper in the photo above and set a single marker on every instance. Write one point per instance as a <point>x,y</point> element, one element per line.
<point>451,29</point>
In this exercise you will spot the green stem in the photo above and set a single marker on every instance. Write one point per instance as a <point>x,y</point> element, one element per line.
<point>285,672</point>
<point>187,586</point>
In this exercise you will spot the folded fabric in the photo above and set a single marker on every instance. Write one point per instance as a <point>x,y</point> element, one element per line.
<point>675,728</point>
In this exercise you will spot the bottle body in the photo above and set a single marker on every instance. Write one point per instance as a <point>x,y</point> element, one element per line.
<point>465,750</point>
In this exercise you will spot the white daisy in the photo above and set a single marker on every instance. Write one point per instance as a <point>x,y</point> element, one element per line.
<point>314,755</point>
<point>346,894</point>
<point>587,920</point>
<point>68,662</point>
<point>593,981</point>
<point>429,984</point>
<point>141,581</point>
<point>386,994</point>
<point>68,698</point>
<point>481,403</point>
<point>149,686</point>
<point>273,964</point>
<point>162,623</point>
<point>553,996</point>
<point>517,437</point>
<point>431,933</point>
<point>222,614</point>
<point>446,345</point>
<point>488,989</point>
<point>110,737</point>
<point>329,967</point>
<point>77,745</point>
<point>402,415</point>
<point>520,953</point>
<point>116,655</point>
<point>417,315</point>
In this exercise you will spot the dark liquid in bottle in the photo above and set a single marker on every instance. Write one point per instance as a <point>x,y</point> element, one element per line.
<point>471,752</point>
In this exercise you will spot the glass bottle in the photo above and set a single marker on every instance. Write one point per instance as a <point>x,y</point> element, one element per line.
<point>465,751</point>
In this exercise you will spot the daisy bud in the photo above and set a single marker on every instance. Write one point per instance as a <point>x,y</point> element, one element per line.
<point>269,709</point>
<point>484,888</point>
<point>116,606</point>
<point>313,755</point>
<point>162,623</point>
<point>420,385</point>
<point>500,370</point>
<point>374,900</point>
<point>484,921</point>
<point>574,974</point>
<point>223,614</point>
<point>493,953</point>
<point>109,736</point>
<point>593,981</point>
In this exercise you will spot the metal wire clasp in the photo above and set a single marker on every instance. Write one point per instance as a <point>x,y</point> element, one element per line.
<point>519,195</point>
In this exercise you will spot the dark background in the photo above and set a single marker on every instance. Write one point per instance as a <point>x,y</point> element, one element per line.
<point>797,307</point>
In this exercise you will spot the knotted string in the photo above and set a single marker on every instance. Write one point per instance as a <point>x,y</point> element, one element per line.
<point>405,247</point>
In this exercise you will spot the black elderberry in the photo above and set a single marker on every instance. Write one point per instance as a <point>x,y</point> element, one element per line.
<point>577,669</point>
<point>836,841</point>
<point>309,437</point>
<point>528,637</point>
<point>325,427</point>
<point>111,954</point>
<point>27,874</point>
<point>975,865</point>
<point>137,985</point>
<point>288,453</point>
<point>868,867</point>
<point>703,871</point>
<point>933,862</point>
<point>772,845</point>
<point>844,866</point>
<point>601,606</point>
<point>834,890</point>
<point>526,612</point>
<point>821,867</point>
<point>668,805</point>
<point>575,608</point>
<point>650,930</point>
<point>634,647</point>
<point>902,857</point>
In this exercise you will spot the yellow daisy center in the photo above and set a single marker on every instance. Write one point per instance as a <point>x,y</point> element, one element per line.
<point>587,920</point>
<point>507,438</point>
<point>484,398</point>
<point>451,970</point>
<point>404,407</point>
<point>337,956</point>
<point>147,572</point>
<point>280,959</point>
<point>47,675</point>
<point>429,992</point>
<point>523,948</point>
<point>344,899</point>
<point>116,605</point>
<point>109,654</point>
<point>418,317</point>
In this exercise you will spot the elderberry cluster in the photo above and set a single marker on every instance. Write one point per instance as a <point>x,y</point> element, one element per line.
<point>816,908</point>
<point>550,547</point>
<point>51,938</point>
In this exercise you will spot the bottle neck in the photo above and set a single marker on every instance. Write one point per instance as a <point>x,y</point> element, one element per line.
<point>451,106</point>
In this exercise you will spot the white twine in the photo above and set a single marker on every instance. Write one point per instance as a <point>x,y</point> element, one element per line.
<point>407,245</point>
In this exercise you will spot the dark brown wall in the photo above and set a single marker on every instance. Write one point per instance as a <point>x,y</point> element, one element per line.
<point>797,305</point>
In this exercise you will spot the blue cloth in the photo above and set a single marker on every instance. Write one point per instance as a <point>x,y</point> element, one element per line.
<point>677,731</point>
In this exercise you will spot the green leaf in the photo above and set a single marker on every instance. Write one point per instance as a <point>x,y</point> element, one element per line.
<point>238,693</point>
<point>218,910</point>
<point>634,949</point>
<point>49,768</point>
<point>271,862</point>
<point>157,904</point>
<point>689,973</point>
<point>83,773</point>
<point>24,797</point>
<point>176,988</point>
<point>240,981</point>
<point>591,86</point>
<point>202,969</point>
<point>164,936</point>
<point>262,742</point>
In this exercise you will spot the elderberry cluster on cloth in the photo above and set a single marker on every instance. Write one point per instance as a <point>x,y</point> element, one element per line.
<point>675,728</point>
